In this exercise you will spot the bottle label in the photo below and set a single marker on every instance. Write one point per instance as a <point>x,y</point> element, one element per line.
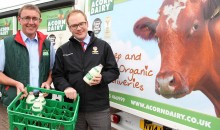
<point>89,76</point>
<point>34,107</point>
<point>43,102</point>
<point>96,70</point>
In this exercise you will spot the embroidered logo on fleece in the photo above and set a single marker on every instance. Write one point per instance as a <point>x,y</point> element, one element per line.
<point>45,52</point>
<point>95,50</point>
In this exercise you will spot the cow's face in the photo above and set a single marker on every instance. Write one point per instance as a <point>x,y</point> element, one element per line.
<point>184,44</point>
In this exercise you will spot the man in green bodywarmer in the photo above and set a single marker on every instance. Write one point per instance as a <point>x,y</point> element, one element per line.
<point>26,57</point>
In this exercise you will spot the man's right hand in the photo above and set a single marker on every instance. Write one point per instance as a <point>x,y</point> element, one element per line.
<point>20,88</point>
<point>70,93</point>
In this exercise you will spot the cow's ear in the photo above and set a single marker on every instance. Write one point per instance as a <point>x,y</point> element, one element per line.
<point>145,28</point>
<point>211,8</point>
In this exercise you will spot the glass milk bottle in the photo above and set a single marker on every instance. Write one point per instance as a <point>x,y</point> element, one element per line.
<point>30,100</point>
<point>42,99</point>
<point>95,71</point>
<point>37,107</point>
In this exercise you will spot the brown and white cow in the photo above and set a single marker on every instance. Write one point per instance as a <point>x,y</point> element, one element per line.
<point>188,35</point>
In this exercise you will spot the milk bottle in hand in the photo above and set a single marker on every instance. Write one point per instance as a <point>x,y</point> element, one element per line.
<point>95,71</point>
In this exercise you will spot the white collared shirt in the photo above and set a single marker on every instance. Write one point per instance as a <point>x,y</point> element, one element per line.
<point>86,41</point>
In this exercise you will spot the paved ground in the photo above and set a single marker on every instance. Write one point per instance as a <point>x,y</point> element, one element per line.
<point>3,118</point>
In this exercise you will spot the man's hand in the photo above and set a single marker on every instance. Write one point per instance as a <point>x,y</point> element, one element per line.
<point>46,86</point>
<point>20,88</point>
<point>70,93</point>
<point>96,80</point>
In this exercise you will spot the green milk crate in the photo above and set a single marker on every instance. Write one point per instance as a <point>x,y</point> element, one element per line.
<point>56,115</point>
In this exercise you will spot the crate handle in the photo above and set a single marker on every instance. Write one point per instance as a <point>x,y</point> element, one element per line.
<point>46,90</point>
<point>49,91</point>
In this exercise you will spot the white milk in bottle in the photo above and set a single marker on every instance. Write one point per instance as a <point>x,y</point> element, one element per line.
<point>37,107</point>
<point>95,71</point>
<point>30,100</point>
<point>42,99</point>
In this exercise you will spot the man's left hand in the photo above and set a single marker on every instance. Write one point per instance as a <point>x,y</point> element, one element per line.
<point>46,86</point>
<point>96,80</point>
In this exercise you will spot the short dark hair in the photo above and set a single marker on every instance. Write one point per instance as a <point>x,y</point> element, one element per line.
<point>75,12</point>
<point>51,35</point>
<point>30,7</point>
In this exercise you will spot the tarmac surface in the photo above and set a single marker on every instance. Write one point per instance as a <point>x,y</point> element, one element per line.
<point>3,118</point>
